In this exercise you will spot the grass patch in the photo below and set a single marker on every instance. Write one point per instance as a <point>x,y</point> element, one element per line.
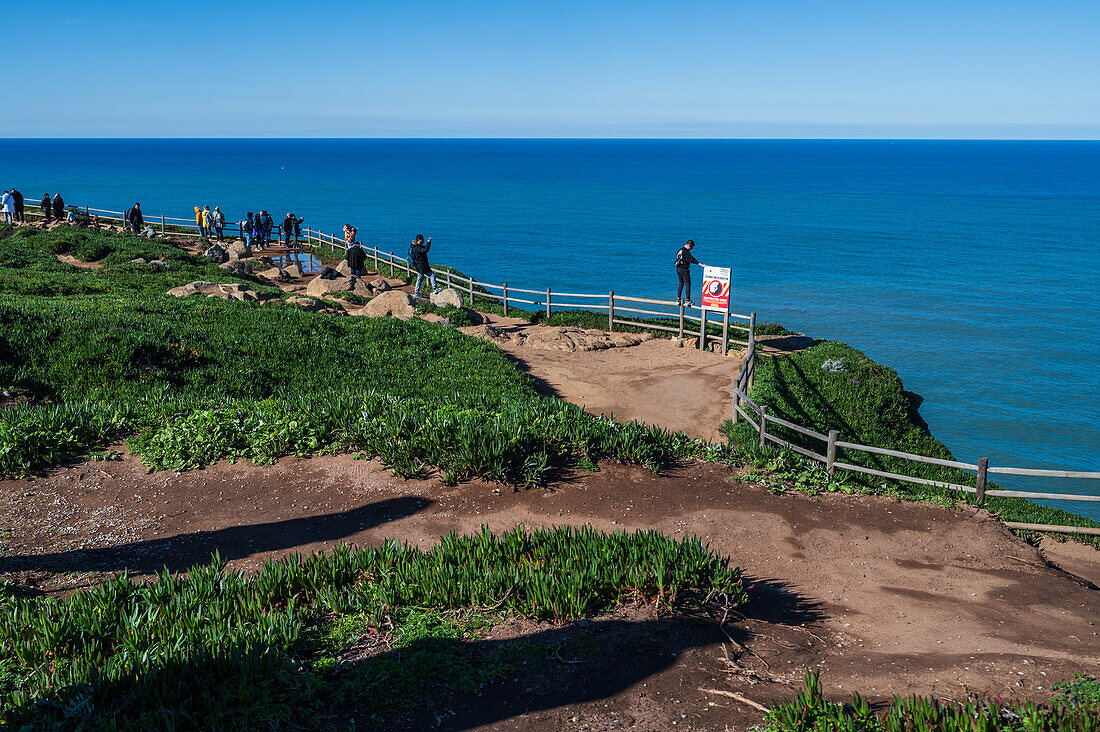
<point>866,402</point>
<point>234,651</point>
<point>107,354</point>
<point>812,712</point>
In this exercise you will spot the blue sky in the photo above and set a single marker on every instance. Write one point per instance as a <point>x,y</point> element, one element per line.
<point>768,68</point>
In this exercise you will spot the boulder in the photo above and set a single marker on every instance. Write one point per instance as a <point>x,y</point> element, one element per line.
<point>236,266</point>
<point>392,304</point>
<point>319,287</point>
<point>295,271</point>
<point>242,249</point>
<point>216,254</point>
<point>274,275</point>
<point>234,255</point>
<point>379,285</point>
<point>447,296</point>
<point>139,260</point>
<point>313,306</point>
<point>230,291</point>
<point>343,268</point>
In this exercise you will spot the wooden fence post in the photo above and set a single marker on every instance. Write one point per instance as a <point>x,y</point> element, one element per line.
<point>375,249</point>
<point>983,469</point>
<point>763,425</point>
<point>680,333</point>
<point>726,332</point>
<point>506,299</point>
<point>448,277</point>
<point>548,303</point>
<point>611,311</point>
<point>752,329</point>
<point>736,400</point>
<point>830,455</point>
<point>163,228</point>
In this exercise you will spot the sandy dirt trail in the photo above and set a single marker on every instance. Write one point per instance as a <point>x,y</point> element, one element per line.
<point>885,597</point>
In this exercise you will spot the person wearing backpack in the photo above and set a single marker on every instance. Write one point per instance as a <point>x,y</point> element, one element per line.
<point>58,207</point>
<point>7,205</point>
<point>355,257</point>
<point>134,218</point>
<point>418,256</point>
<point>247,227</point>
<point>684,260</point>
<point>257,231</point>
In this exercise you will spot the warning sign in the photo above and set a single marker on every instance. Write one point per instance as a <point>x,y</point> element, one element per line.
<point>716,288</point>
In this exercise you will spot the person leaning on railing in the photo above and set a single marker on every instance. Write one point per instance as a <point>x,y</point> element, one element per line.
<point>135,219</point>
<point>46,207</point>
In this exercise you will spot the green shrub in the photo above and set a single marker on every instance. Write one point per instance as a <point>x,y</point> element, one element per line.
<point>220,648</point>
<point>812,712</point>
<point>866,402</point>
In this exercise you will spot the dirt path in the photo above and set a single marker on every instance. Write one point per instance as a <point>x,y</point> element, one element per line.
<point>883,596</point>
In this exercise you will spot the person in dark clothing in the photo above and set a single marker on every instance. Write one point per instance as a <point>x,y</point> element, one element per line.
<point>134,218</point>
<point>297,228</point>
<point>18,204</point>
<point>247,227</point>
<point>356,258</point>
<point>46,207</point>
<point>418,255</point>
<point>257,231</point>
<point>684,260</point>
<point>292,227</point>
<point>58,207</point>
<point>268,224</point>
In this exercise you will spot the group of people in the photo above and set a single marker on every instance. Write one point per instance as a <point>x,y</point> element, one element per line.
<point>11,204</point>
<point>356,258</point>
<point>211,223</point>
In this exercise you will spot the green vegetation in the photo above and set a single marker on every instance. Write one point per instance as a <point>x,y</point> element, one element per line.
<point>234,651</point>
<point>866,403</point>
<point>105,353</point>
<point>812,712</point>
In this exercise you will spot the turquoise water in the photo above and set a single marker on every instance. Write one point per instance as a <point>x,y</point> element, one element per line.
<point>970,267</point>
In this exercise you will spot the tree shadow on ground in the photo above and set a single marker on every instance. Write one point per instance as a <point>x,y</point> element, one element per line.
<point>233,542</point>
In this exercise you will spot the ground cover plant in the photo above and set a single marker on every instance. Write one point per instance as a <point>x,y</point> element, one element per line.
<point>105,353</point>
<point>833,386</point>
<point>1074,710</point>
<point>226,650</point>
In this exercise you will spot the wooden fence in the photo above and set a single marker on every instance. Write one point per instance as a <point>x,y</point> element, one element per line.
<point>831,443</point>
<point>691,322</point>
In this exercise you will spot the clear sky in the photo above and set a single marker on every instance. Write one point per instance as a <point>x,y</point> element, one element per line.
<point>569,68</point>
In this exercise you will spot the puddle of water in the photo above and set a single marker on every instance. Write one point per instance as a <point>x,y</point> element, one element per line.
<point>307,262</point>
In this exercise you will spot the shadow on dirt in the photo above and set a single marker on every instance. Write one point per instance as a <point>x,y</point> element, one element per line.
<point>234,542</point>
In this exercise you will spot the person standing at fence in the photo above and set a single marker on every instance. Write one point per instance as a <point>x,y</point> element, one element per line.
<point>349,235</point>
<point>297,228</point>
<point>355,257</point>
<point>58,207</point>
<point>418,255</point>
<point>217,220</point>
<point>198,222</point>
<point>18,197</point>
<point>257,232</point>
<point>684,260</point>
<point>268,224</point>
<point>135,219</point>
<point>291,227</point>
<point>46,208</point>
<point>246,231</point>
<point>208,221</point>
<point>7,205</point>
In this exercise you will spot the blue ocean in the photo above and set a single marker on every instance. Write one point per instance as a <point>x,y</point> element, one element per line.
<point>970,267</point>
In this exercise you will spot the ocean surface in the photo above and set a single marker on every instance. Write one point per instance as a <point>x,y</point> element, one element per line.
<point>973,268</point>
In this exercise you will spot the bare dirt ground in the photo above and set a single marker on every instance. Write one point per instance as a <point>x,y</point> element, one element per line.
<point>884,597</point>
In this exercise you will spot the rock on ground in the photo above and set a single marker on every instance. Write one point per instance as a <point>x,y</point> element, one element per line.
<point>231,291</point>
<point>447,296</point>
<point>393,304</point>
<point>236,266</point>
<point>318,287</point>
<point>313,306</point>
<point>243,250</point>
<point>274,274</point>
<point>555,338</point>
<point>216,254</point>
<point>295,271</point>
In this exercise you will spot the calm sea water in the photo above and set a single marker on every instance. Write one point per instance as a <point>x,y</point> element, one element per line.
<point>970,267</point>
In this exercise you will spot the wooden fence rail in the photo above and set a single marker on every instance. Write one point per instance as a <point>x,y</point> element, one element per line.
<point>745,408</point>
<point>681,314</point>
